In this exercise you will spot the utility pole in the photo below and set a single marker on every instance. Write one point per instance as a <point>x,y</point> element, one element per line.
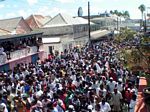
<point>117,24</point>
<point>89,26</point>
<point>145,26</point>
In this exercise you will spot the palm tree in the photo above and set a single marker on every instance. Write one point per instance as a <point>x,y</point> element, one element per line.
<point>126,14</point>
<point>120,14</point>
<point>142,8</point>
<point>116,12</point>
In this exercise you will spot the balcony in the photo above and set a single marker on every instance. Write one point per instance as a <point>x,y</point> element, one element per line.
<point>18,54</point>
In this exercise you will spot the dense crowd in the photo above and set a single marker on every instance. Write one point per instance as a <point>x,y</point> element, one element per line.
<point>88,79</point>
<point>10,46</point>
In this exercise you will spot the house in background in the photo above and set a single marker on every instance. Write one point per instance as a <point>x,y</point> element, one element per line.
<point>69,30</point>
<point>133,24</point>
<point>59,33</point>
<point>15,26</point>
<point>37,21</point>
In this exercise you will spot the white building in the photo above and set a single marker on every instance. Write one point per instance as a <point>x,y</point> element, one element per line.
<point>64,31</point>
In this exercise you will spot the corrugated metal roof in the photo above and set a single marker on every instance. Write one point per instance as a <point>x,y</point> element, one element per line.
<point>10,24</point>
<point>100,33</point>
<point>4,32</point>
<point>63,19</point>
<point>46,19</point>
<point>37,21</point>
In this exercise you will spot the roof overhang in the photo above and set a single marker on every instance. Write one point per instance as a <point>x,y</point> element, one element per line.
<point>100,33</point>
<point>9,37</point>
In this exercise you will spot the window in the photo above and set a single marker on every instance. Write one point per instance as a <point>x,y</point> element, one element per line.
<point>51,49</point>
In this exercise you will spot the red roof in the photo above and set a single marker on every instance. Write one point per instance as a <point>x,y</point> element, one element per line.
<point>37,21</point>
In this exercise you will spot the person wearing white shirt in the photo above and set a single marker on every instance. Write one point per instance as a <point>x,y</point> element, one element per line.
<point>116,100</point>
<point>4,107</point>
<point>98,69</point>
<point>111,84</point>
<point>104,106</point>
<point>120,85</point>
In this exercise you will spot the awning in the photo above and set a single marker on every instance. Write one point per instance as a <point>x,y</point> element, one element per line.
<point>50,40</point>
<point>100,33</point>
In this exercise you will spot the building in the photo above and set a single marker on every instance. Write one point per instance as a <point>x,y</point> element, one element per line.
<point>104,21</point>
<point>4,32</point>
<point>14,26</point>
<point>70,31</point>
<point>133,24</point>
<point>20,48</point>
<point>37,21</point>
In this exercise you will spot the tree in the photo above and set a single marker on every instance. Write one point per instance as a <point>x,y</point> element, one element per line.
<point>142,8</point>
<point>126,14</point>
<point>120,14</point>
<point>125,34</point>
<point>116,12</point>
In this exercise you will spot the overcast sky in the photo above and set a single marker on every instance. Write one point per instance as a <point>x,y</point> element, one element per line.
<point>15,8</point>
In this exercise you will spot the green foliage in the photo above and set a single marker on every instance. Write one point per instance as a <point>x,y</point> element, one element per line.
<point>142,8</point>
<point>145,39</point>
<point>124,14</point>
<point>125,34</point>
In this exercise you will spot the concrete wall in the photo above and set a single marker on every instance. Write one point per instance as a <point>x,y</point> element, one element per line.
<point>66,42</point>
<point>56,47</point>
<point>30,58</point>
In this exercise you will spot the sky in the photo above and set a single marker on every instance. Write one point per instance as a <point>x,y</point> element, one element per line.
<point>16,8</point>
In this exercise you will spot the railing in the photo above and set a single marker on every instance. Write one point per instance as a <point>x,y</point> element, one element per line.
<point>18,54</point>
<point>23,53</point>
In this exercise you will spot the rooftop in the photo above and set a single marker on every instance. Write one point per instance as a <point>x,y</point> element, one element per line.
<point>19,35</point>
<point>10,24</point>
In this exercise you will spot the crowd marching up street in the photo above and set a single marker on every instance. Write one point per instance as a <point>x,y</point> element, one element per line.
<point>87,79</point>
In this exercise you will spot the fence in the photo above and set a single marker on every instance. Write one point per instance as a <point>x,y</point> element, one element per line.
<point>18,54</point>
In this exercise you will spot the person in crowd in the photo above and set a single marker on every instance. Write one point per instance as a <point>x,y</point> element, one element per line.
<point>105,106</point>
<point>132,103</point>
<point>117,100</point>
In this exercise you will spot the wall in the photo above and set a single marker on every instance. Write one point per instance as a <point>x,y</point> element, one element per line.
<point>27,59</point>
<point>57,46</point>
<point>12,64</point>
<point>59,30</point>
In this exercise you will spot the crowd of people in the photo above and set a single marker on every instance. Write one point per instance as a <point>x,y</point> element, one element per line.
<point>10,46</point>
<point>90,79</point>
